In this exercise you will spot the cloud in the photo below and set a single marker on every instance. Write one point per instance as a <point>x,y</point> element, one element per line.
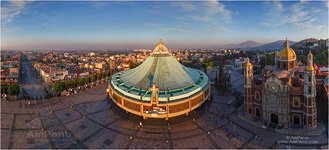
<point>169,28</point>
<point>97,4</point>
<point>214,7</point>
<point>206,9</point>
<point>9,11</point>
<point>299,15</point>
<point>278,6</point>
<point>213,14</point>
<point>7,29</point>
<point>44,23</point>
<point>175,30</point>
<point>299,20</point>
<point>186,6</point>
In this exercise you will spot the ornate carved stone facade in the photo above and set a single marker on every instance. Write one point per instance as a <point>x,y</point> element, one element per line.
<point>284,94</point>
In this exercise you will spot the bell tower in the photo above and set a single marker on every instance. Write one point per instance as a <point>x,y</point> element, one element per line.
<point>248,76</point>
<point>310,112</point>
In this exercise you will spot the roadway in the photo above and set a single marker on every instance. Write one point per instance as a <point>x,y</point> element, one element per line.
<point>31,85</point>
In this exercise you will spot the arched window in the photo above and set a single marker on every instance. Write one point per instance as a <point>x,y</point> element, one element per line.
<point>291,64</point>
<point>257,95</point>
<point>257,111</point>
<point>284,65</point>
<point>296,102</point>
<point>309,90</point>
<point>296,120</point>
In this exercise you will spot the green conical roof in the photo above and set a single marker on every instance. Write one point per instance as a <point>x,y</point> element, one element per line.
<point>162,69</point>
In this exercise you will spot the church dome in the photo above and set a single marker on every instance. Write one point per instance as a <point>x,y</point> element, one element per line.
<point>160,87</point>
<point>162,69</point>
<point>286,53</point>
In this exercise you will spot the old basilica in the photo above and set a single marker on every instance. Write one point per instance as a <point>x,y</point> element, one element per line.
<point>284,94</point>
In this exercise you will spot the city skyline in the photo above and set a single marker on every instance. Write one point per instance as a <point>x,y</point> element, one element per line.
<point>164,75</point>
<point>128,25</point>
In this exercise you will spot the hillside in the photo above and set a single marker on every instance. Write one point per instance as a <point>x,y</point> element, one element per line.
<point>272,46</point>
<point>243,46</point>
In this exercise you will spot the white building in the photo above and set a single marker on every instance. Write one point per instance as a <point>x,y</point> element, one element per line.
<point>53,74</point>
<point>238,63</point>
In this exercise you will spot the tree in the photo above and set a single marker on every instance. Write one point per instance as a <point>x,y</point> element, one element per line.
<point>302,58</point>
<point>322,44</point>
<point>81,81</point>
<point>68,84</point>
<point>107,73</point>
<point>58,86</point>
<point>321,58</point>
<point>75,83</point>
<point>101,75</point>
<point>216,63</point>
<point>204,66</point>
<point>13,89</point>
<point>268,59</point>
<point>93,78</point>
<point>210,64</point>
<point>71,83</point>
<point>132,64</point>
<point>104,74</point>
<point>4,89</point>
<point>98,76</point>
<point>88,79</point>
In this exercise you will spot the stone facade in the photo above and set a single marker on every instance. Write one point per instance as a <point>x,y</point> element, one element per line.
<point>284,94</point>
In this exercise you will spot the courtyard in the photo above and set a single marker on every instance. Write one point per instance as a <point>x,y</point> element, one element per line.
<point>90,120</point>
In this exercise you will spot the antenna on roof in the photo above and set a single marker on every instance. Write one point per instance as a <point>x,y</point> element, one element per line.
<point>160,41</point>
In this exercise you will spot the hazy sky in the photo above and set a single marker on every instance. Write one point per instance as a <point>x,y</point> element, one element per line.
<point>121,25</point>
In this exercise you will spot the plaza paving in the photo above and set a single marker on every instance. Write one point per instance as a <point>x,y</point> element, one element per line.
<point>90,120</point>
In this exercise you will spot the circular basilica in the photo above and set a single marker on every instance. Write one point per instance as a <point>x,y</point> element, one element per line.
<point>160,87</point>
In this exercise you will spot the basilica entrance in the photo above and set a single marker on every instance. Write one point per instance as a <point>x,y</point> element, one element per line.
<point>257,112</point>
<point>296,120</point>
<point>274,119</point>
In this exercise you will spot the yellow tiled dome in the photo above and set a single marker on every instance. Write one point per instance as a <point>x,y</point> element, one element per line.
<point>287,52</point>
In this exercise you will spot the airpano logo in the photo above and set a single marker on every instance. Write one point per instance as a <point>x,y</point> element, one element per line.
<point>45,111</point>
<point>297,140</point>
<point>35,123</point>
<point>45,134</point>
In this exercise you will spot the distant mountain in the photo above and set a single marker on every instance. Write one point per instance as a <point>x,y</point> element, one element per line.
<point>248,44</point>
<point>243,46</point>
<point>229,46</point>
<point>303,42</point>
<point>272,46</point>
